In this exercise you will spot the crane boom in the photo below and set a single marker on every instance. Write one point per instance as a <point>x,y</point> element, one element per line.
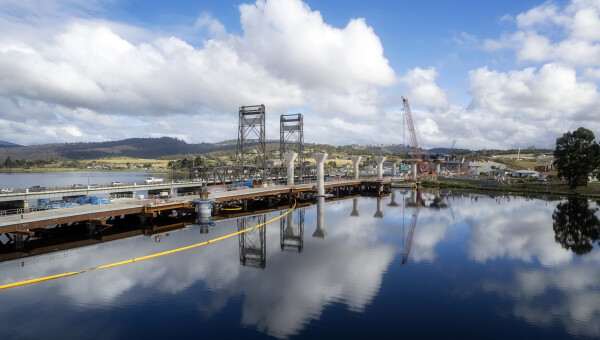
<point>411,128</point>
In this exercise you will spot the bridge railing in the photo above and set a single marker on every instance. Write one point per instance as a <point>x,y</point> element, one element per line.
<point>93,187</point>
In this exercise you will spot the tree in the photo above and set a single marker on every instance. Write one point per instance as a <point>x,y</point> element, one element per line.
<point>576,226</point>
<point>576,156</point>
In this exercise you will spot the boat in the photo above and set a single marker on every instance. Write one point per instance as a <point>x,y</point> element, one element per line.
<point>403,183</point>
<point>150,180</point>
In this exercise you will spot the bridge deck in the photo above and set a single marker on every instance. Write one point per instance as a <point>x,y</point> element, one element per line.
<point>126,206</point>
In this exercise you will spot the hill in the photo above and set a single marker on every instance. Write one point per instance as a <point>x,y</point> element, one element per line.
<point>133,147</point>
<point>4,144</point>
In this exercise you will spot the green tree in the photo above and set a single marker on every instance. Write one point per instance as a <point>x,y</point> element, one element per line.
<point>576,156</point>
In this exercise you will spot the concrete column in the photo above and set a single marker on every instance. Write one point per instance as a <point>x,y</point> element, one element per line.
<point>355,212</point>
<point>290,157</point>
<point>413,170</point>
<point>320,231</point>
<point>379,212</point>
<point>438,168</point>
<point>355,160</point>
<point>394,169</point>
<point>379,161</point>
<point>320,159</point>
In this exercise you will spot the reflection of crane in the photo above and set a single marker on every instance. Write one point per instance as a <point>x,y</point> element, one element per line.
<point>413,226</point>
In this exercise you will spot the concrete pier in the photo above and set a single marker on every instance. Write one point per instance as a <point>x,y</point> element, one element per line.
<point>320,231</point>
<point>379,161</point>
<point>355,160</point>
<point>355,212</point>
<point>394,169</point>
<point>320,159</point>
<point>290,157</point>
<point>413,170</point>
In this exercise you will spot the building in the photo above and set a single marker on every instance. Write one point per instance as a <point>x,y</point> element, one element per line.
<point>543,168</point>
<point>485,166</point>
<point>525,173</point>
<point>273,162</point>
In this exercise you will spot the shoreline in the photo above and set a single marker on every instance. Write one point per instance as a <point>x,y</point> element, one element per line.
<point>592,191</point>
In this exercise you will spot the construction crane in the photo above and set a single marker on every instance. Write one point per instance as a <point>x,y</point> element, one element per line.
<point>411,128</point>
<point>454,142</point>
<point>413,138</point>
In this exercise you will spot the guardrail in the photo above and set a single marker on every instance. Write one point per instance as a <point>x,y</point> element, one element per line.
<point>22,210</point>
<point>94,187</point>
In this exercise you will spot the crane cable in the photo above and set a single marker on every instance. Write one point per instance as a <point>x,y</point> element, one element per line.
<point>52,277</point>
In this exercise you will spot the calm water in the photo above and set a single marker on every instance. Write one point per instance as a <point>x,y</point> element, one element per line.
<point>478,267</point>
<point>68,178</point>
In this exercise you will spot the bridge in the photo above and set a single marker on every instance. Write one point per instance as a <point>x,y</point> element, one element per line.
<point>19,228</point>
<point>69,191</point>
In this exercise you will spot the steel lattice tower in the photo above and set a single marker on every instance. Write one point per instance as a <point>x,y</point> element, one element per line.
<point>291,129</point>
<point>251,136</point>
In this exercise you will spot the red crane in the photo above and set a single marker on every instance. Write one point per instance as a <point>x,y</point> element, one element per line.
<point>411,128</point>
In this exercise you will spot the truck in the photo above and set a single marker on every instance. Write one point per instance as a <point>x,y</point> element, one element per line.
<point>151,180</point>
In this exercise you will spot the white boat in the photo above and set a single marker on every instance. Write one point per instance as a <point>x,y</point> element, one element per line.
<point>151,180</point>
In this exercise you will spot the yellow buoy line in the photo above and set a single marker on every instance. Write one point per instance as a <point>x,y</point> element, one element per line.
<point>52,277</point>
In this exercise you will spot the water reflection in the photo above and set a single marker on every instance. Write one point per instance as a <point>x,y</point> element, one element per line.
<point>482,248</point>
<point>355,212</point>
<point>379,212</point>
<point>292,232</point>
<point>576,225</point>
<point>253,243</point>
<point>320,231</point>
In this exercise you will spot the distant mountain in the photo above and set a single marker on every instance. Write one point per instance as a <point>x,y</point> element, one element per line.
<point>133,147</point>
<point>4,144</point>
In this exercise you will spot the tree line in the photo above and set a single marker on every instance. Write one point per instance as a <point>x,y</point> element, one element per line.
<point>577,157</point>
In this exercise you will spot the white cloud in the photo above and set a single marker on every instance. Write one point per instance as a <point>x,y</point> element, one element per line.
<point>549,33</point>
<point>286,57</point>
<point>422,89</point>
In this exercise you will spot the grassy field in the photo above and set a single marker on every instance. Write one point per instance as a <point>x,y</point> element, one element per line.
<point>138,162</point>
<point>521,164</point>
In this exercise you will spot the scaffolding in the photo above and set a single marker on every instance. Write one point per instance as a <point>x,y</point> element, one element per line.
<point>291,129</point>
<point>251,146</point>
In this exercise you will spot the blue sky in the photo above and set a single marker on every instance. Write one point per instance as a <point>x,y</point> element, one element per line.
<point>500,74</point>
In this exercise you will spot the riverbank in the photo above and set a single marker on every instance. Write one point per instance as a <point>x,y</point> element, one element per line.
<point>592,191</point>
<point>47,170</point>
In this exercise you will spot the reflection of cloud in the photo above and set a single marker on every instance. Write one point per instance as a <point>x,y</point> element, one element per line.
<point>294,288</point>
<point>517,231</point>
<point>567,295</point>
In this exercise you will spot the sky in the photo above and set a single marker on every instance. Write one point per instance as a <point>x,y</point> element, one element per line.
<point>503,74</point>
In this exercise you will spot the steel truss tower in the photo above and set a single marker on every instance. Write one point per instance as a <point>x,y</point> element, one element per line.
<point>291,129</point>
<point>251,147</point>
<point>253,243</point>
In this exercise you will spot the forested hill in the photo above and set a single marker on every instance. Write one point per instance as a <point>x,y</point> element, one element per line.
<point>4,144</point>
<point>134,147</point>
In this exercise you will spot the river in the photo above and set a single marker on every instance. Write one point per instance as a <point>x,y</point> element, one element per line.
<point>485,266</point>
